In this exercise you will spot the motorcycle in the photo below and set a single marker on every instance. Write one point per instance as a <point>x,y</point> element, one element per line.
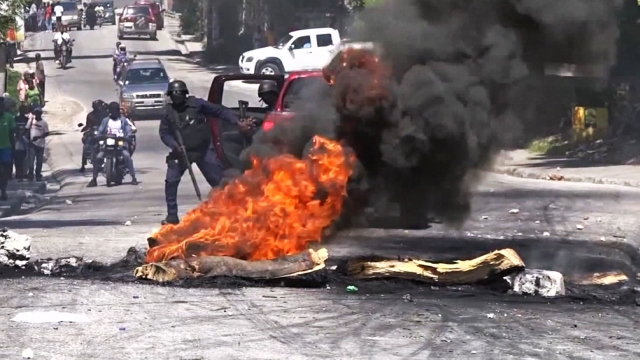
<point>115,167</point>
<point>65,53</point>
<point>123,66</point>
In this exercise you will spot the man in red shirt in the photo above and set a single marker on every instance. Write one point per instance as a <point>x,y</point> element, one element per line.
<point>47,16</point>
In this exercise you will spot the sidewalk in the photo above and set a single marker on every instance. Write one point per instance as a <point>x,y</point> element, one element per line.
<point>522,163</point>
<point>61,113</point>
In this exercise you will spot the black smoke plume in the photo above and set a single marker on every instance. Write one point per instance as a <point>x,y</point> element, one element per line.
<point>462,87</point>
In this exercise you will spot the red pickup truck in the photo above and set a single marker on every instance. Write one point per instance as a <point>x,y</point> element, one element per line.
<point>227,141</point>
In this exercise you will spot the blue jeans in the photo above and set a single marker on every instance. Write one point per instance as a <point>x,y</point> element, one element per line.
<point>49,23</point>
<point>6,167</point>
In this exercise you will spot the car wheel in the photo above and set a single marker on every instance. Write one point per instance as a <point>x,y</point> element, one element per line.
<point>269,69</point>
<point>120,37</point>
<point>154,36</point>
<point>79,27</point>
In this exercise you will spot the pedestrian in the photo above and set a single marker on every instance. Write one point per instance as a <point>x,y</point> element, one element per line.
<point>21,143</point>
<point>58,10</point>
<point>22,87</point>
<point>33,94</point>
<point>33,17</point>
<point>7,125</point>
<point>258,38</point>
<point>187,115</point>
<point>40,76</point>
<point>47,15</point>
<point>41,18</point>
<point>38,131</point>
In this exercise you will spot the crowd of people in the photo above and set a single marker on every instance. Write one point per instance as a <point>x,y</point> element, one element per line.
<point>41,16</point>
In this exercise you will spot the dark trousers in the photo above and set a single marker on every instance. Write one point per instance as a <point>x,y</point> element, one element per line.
<point>36,157</point>
<point>210,166</point>
<point>20,162</point>
<point>41,89</point>
<point>11,53</point>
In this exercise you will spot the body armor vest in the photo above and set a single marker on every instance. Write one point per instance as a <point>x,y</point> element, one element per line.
<point>193,127</point>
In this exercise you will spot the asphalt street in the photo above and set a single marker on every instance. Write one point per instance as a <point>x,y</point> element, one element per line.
<point>133,321</point>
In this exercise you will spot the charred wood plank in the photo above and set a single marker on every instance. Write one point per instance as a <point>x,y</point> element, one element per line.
<point>497,263</point>
<point>216,266</point>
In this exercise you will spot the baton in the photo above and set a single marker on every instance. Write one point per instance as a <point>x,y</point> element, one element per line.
<point>188,163</point>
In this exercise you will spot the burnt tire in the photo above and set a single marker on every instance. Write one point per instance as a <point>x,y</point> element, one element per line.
<point>269,69</point>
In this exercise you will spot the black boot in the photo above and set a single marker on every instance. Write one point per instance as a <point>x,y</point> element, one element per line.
<point>171,219</point>
<point>134,181</point>
<point>81,169</point>
<point>93,183</point>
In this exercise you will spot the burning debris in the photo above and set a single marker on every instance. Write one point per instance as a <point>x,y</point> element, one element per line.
<point>15,249</point>
<point>495,264</point>
<point>217,266</point>
<point>275,209</point>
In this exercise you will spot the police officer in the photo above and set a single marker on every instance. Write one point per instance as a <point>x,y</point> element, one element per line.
<point>268,93</point>
<point>186,114</point>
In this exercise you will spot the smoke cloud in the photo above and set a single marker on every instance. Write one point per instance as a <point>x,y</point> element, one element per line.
<point>463,86</point>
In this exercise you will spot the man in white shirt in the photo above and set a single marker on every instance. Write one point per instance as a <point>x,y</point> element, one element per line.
<point>58,38</point>
<point>58,11</point>
<point>39,130</point>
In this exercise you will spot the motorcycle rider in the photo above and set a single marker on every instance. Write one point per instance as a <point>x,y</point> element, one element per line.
<point>93,121</point>
<point>134,130</point>
<point>100,12</point>
<point>121,60</point>
<point>61,36</point>
<point>115,58</point>
<point>268,93</point>
<point>114,124</point>
<point>186,114</point>
<point>90,15</point>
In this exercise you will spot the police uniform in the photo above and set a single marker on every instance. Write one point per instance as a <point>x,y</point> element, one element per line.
<point>191,121</point>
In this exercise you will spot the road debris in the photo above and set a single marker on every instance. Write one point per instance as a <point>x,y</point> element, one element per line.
<point>15,249</point>
<point>598,219</point>
<point>58,266</point>
<point>407,298</point>
<point>585,218</point>
<point>127,223</point>
<point>546,233</point>
<point>352,289</point>
<point>580,227</point>
<point>41,317</point>
<point>491,315</point>
<point>68,202</point>
<point>514,211</point>
<point>555,177</point>
<point>544,283</point>
<point>27,353</point>
<point>484,217</point>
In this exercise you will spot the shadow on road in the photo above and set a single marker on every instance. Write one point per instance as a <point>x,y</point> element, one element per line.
<point>17,224</point>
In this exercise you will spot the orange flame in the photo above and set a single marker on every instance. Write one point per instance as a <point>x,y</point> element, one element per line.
<point>277,208</point>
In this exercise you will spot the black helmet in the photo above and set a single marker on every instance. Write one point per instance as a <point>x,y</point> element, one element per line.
<point>177,85</point>
<point>123,48</point>
<point>96,104</point>
<point>114,106</point>
<point>267,86</point>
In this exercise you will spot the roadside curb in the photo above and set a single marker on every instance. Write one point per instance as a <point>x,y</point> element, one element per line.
<point>57,150</point>
<point>536,175</point>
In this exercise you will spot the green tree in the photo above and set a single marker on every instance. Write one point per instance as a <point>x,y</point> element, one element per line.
<point>9,9</point>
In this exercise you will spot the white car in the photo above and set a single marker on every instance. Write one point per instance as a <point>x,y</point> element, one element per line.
<point>308,49</point>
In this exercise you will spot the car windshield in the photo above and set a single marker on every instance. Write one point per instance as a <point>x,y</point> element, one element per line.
<point>69,7</point>
<point>138,10</point>
<point>284,41</point>
<point>146,76</point>
<point>305,88</point>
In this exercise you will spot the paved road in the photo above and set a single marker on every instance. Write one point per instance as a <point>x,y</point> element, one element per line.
<point>150,322</point>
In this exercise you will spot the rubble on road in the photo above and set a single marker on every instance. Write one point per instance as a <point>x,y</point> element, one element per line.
<point>15,249</point>
<point>543,283</point>
<point>57,266</point>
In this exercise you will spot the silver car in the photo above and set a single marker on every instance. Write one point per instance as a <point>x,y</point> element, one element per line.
<point>143,86</point>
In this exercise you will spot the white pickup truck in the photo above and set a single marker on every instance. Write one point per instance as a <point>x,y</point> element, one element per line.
<point>308,49</point>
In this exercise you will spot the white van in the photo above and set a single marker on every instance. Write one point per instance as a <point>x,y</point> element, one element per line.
<point>308,49</point>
